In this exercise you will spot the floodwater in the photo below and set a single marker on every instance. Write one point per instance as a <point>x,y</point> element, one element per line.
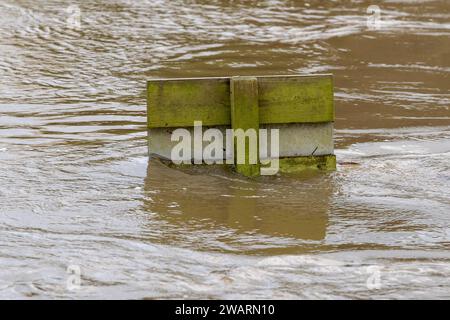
<point>78,193</point>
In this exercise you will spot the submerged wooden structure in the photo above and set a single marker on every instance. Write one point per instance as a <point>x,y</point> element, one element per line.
<point>301,107</point>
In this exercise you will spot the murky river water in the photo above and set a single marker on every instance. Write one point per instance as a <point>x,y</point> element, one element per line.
<point>77,189</point>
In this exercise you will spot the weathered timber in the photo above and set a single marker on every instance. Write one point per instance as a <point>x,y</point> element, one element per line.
<point>281,99</point>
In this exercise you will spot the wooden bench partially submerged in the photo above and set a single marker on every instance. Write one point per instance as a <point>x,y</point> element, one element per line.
<point>301,107</point>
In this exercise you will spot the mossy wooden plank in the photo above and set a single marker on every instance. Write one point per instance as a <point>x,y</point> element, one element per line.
<point>303,99</point>
<point>289,165</point>
<point>180,102</point>
<point>298,164</point>
<point>282,99</point>
<point>245,116</point>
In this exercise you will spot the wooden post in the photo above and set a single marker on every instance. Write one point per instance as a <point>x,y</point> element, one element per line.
<point>245,124</point>
<point>300,107</point>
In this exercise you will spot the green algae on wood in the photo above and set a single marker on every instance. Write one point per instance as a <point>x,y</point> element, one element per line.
<point>296,99</point>
<point>298,164</point>
<point>245,123</point>
<point>177,103</point>
<point>301,107</point>
<point>287,165</point>
<point>281,99</point>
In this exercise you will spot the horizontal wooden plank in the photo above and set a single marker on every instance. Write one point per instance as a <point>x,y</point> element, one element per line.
<point>290,165</point>
<point>178,102</point>
<point>296,140</point>
<point>282,99</point>
<point>299,164</point>
<point>296,99</point>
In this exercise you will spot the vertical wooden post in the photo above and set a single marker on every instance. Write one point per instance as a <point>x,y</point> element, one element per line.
<point>245,116</point>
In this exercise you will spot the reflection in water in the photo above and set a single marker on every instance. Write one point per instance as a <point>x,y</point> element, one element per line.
<point>204,198</point>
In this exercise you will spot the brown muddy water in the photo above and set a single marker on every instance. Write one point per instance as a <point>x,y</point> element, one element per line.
<point>78,192</point>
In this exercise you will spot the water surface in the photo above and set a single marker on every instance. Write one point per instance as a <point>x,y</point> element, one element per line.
<point>77,187</point>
